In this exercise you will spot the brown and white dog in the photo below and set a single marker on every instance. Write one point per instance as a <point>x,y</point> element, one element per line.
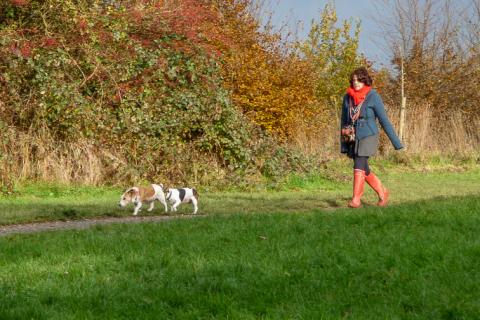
<point>141,195</point>
<point>182,195</point>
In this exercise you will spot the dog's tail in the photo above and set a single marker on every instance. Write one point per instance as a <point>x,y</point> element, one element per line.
<point>195,193</point>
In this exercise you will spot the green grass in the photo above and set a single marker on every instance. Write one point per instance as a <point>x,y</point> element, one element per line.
<point>297,194</point>
<point>417,260</point>
<point>41,202</point>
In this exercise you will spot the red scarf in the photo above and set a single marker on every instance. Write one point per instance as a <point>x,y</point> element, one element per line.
<point>358,96</point>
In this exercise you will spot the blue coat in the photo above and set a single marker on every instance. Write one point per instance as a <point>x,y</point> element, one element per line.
<point>366,125</point>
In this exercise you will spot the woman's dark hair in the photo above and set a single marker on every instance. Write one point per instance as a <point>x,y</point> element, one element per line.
<point>362,76</point>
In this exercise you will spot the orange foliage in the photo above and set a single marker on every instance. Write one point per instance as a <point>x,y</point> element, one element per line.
<point>19,3</point>
<point>273,92</point>
<point>273,88</point>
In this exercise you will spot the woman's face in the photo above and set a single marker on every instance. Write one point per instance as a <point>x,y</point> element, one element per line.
<point>357,85</point>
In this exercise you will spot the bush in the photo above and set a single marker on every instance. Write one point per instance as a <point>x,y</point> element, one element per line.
<point>118,84</point>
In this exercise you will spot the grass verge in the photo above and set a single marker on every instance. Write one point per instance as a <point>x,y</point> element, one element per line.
<point>417,260</point>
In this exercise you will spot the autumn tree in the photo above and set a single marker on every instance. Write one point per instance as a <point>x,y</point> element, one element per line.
<point>333,53</point>
<point>427,34</point>
<point>434,41</point>
<point>279,84</point>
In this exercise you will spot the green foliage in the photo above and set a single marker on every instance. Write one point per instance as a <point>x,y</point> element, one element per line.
<point>333,53</point>
<point>273,165</point>
<point>122,79</point>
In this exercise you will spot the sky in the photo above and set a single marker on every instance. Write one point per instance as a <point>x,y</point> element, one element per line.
<point>372,44</point>
<point>290,11</point>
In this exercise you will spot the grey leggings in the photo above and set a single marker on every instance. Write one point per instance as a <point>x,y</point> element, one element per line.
<point>361,163</point>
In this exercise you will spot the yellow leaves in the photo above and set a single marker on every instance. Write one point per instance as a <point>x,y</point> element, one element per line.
<point>270,96</point>
<point>280,85</point>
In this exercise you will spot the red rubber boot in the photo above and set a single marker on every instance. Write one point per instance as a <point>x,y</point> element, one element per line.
<point>358,186</point>
<point>381,191</point>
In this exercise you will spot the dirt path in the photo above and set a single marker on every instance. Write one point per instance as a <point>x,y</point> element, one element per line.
<point>83,224</point>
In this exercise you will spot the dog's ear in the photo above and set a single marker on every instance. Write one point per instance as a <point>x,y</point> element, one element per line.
<point>132,191</point>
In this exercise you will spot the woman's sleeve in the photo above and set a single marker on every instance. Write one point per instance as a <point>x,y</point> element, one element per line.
<point>380,113</point>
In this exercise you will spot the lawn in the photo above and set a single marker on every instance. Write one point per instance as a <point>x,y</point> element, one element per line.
<point>298,194</point>
<point>294,252</point>
<point>417,260</point>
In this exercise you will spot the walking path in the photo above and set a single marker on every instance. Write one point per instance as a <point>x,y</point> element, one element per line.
<point>83,224</point>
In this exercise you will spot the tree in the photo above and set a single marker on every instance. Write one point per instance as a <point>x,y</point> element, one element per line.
<point>332,51</point>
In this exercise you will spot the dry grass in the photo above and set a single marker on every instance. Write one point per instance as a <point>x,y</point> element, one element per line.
<point>424,135</point>
<point>35,156</point>
<point>38,157</point>
<point>315,138</point>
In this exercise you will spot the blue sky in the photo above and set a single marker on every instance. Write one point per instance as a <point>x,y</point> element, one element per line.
<point>305,10</point>
<point>372,44</point>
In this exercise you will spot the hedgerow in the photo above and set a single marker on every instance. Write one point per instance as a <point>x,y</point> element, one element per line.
<point>178,91</point>
<point>122,77</point>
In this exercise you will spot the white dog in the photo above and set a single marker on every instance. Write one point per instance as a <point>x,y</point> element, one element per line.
<point>178,196</point>
<point>140,195</point>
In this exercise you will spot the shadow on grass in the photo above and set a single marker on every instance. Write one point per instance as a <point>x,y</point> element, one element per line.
<point>35,212</point>
<point>14,212</point>
<point>370,263</point>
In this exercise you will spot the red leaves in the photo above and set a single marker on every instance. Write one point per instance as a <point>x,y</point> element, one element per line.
<point>26,50</point>
<point>49,42</point>
<point>137,15</point>
<point>104,36</point>
<point>198,20</point>
<point>82,24</point>
<point>23,49</point>
<point>19,3</point>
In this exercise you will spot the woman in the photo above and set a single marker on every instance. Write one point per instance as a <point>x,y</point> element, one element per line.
<point>362,105</point>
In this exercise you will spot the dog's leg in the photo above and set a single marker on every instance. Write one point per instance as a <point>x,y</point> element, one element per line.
<point>175,205</point>
<point>162,200</point>
<point>138,205</point>
<point>152,205</point>
<point>195,205</point>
